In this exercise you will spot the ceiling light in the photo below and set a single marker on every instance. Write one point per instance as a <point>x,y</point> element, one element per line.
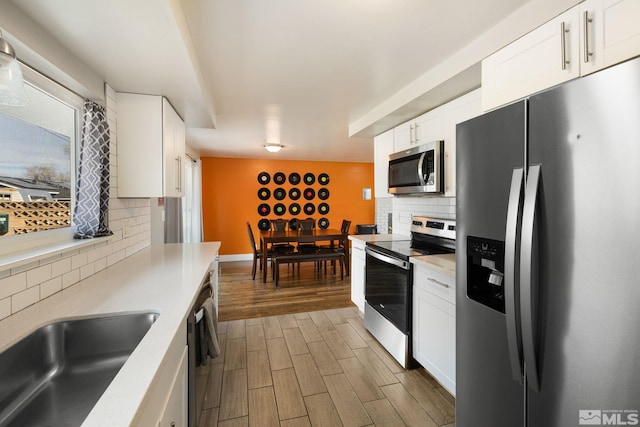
<point>273,148</point>
<point>11,84</point>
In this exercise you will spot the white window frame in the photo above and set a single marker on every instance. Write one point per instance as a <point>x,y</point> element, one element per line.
<point>29,247</point>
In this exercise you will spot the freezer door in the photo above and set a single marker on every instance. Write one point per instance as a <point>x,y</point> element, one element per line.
<point>489,148</point>
<point>585,136</point>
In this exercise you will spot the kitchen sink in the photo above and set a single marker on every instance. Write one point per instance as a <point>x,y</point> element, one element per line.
<point>55,375</point>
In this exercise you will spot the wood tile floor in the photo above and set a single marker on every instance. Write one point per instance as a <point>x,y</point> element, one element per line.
<point>318,368</point>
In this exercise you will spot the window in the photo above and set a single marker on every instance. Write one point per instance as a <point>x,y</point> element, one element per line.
<point>38,150</point>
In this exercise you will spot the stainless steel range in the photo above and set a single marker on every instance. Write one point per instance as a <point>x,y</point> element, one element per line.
<point>389,281</point>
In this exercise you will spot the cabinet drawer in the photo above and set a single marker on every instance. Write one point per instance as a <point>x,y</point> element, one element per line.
<point>435,282</point>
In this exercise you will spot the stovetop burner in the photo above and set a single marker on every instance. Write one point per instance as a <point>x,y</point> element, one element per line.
<point>429,236</point>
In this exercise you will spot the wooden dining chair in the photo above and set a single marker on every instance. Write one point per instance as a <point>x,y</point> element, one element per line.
<point>307,224</point>
<point>341,245</point>
<point>258,255</point>
<point>281,225</point>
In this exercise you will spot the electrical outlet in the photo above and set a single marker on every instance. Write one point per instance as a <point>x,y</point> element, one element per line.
<point>125,228</point>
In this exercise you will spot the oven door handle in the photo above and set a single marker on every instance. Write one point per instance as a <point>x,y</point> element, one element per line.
<point>387,259</point>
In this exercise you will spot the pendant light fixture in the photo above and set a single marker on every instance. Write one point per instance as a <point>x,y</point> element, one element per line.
<point>11,85</point>
<point>273,148</point>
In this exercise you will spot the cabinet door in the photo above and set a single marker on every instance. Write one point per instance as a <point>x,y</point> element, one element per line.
<point>403,136</point>
<point>174,148</point>
<point>430,126</point>
<point>357,274</point>
<point>610,33</point>
<point>463,108</point>
<point>175,411</point>
<point>435,337</point>
<point>383,146</point>
<point>547,56</point>
<point>139,140</point>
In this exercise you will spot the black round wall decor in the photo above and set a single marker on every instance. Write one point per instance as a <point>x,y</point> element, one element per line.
<point>264,209</point>
<point>323,208</point>
<point>293,222</point>
<point>309,178</point>
<point>294,178</point>
<point>264,193</point>
<point>264,224</point>
<point>279,209</point>
<point>323,194</point>
<point>323,179</point>
<point>294,209</point>
<point>294,194</point>
<point>264,178</point>
<point>309,193</point>
<point>279,193</point>
<point>309,208</point>
<point>323,223</point>
<point>279,178</point>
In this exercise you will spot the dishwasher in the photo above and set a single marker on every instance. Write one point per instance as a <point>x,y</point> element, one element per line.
<point>196,315</point>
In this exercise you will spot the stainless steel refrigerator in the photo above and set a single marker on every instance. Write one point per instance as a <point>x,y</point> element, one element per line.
<point>548,257</point>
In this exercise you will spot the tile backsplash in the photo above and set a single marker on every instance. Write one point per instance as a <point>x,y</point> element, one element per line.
<point>401,209</point>
<point>23,286</point>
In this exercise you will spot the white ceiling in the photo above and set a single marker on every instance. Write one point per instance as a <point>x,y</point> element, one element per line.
<point>283,71</point>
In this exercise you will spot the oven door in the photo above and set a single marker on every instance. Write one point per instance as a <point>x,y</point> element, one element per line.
<point>388,285</point>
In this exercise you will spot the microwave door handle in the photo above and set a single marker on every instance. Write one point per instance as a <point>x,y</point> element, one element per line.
<point>420,165</point>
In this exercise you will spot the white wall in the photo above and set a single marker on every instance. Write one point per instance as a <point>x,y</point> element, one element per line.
<point>23,286</point>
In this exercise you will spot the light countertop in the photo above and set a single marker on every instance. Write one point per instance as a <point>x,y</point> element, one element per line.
<point>161,278</point>
<point>378,237</point>
<point>445,263</point>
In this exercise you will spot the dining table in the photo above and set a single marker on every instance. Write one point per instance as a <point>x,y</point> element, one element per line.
<point>298,236</point>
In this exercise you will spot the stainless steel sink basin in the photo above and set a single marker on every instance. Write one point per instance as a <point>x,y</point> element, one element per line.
<point>55,375</point>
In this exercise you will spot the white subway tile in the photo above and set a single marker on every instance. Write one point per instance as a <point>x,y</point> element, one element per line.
<point>71,278</point>
<point>38,275</point>
<point>24,299</point>
<point>12,285</point>
<point>61,267</point>
<point>5,308</point>
<point>50,287</point>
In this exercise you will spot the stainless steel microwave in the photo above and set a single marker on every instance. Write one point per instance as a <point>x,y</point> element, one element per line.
<point>418,170</point>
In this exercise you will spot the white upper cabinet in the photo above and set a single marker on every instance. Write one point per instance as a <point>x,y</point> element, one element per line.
<point>426,128</point>
<point>382,147</point>
<point>542,58</point>
<point>150,147</point>
<point>610,33</point>
<point>593,35</point>
<point>459,110</point>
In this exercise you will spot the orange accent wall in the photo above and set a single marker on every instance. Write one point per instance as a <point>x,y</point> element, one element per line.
<point>230,196</point>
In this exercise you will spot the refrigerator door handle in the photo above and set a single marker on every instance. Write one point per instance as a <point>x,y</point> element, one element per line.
<point>511,288</point>
<point>528,276</point>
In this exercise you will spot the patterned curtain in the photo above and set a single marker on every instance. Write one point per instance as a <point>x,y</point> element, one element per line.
<point>92,190</point>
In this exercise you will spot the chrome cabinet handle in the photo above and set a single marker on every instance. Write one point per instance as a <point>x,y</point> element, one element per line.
<point>587,52</point>
<point>415,133</point>
<point>528,276</point>
<point>563,44</point>
<point>511,294</point>
<point>437,282</point>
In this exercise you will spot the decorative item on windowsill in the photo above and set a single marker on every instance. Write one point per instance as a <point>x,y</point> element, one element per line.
<point>11,84</point>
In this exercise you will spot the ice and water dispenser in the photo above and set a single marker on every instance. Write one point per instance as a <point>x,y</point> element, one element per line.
<point>485,272</point>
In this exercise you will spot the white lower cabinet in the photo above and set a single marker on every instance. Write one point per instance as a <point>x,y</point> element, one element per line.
<point>175,411</point>
<point>434,324</point>
<point>358,261</point>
